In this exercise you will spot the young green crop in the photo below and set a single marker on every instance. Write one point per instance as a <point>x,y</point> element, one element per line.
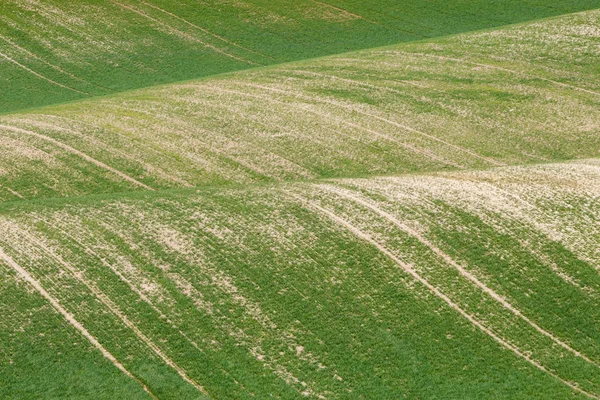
<point>439,285</point>
<point>439,105</point>
<point>56,51</point>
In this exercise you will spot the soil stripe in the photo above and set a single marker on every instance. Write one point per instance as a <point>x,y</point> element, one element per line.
<point>40,289</point>
<point>500,299</point>
<point>40,75</point>
<point>330,117</point>
<point>79,153</point>
<point>343,11</point>
<point>463,61</point>
<point>57,68</point>
<point>410,270</point>
<point>101,144</point>
<point>405,127</point>
<point>12,191</point>
<point>104,299</point>
<point>205,30</point>
<point>183,34</point>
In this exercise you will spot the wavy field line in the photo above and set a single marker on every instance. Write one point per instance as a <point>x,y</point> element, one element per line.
<point>343,11</point>
<point>205,30</point>
<point>545,229</point>
<point>496,67</point>
<point>439,252</point>
<point>150,168</point>
<point>405,127</point>
<point>77,152</point>
<point>40,75</point>
<point>56,67</point>
<point>221,155</point>
<point>123,278</point>
<point>104,299</point>
<point>14,192</point>
<point>407,268</point>
<point>71,319</point>
<point>183,34</point>
<point>402,144</point>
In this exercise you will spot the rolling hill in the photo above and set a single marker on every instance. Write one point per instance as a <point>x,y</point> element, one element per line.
<point>55,50</point>
<point>415,216</point>
<point>442,104</point>
<point>454,285</point>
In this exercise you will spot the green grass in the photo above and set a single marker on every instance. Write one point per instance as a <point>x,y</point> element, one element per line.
<point>281,299</point>
<point>444,104</point>
<point>96,47</point>
<point>43,356</point>
<point>349,221</point>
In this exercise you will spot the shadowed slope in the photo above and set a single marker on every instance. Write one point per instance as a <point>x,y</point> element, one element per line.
<point>54,50</point>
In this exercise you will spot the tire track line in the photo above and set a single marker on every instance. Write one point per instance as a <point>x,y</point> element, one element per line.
<point>104,299</point>
<point>131,285</point>
<point>205,30</point>
<point>12,191</point>
<point>405,127</point>
<point>330,117</point>
<point>439,252</point>
<point>99,143</point>
<point>55,67</point>
<point>343,11</point>
<point>407,268</point>
<point>40,75</point>
<point>221,155</point>
<point>544,229</point>
<point>124,279</point>
<point>71,319</point>
<point>183,34</point>
<point>405,145</point>
<point>496,67</point>
<point>78,153</point>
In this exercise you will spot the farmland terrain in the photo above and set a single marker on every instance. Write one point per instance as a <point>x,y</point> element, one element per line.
<point>414,220</point>
<point>443,104</point>
<point>466,284</point>
<point>57,50</point>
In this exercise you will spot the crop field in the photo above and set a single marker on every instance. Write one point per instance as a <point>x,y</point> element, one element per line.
<point>323,289</point>
<point>430,106</point>
<point>325,200</point>
<point>57,50</point>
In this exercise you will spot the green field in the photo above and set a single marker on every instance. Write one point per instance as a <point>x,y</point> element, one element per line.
<point>392,200</point>
<point>441,104</point>
<point>56,50</point>
<point>462,285</point>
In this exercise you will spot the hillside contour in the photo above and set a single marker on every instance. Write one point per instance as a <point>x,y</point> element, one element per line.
<point>442,104</point>
<point>417,220</point>
<point>55,50</point>
<point>454,285</point>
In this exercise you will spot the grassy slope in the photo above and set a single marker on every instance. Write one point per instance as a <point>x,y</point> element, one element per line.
<point>55,51</point>
<point>313,288</point>
<point>449,103</point>
<point>455,284</point>
<point>42,355</point>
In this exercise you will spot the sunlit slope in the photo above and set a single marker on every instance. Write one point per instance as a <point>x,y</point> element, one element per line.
<point>454,285</point>
<point>56,50</point>
<point>526,94</point>
<point>41,353</point>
